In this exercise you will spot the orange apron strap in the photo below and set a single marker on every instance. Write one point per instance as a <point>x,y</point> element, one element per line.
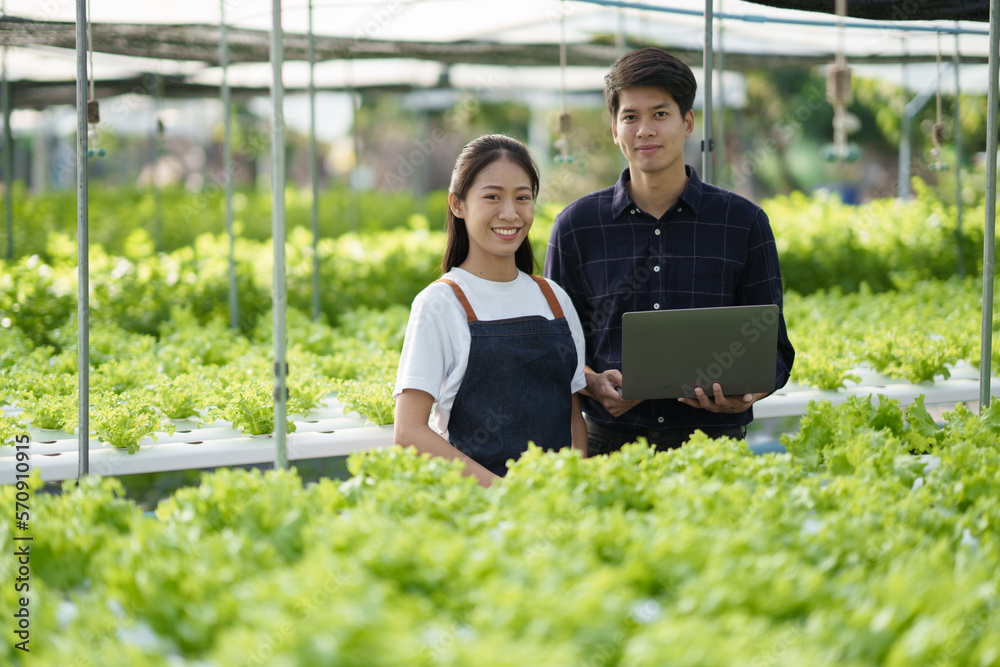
<point>550,296</point>
<point>469,313</point>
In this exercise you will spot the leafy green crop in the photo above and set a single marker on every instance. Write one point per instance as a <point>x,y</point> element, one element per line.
<point>123,421</point>
<point>10,428</point>
<point>249,406</point>
<point>849,550</point>
<point>824,244</point>
<point>371,397</point>
<point>183,396</point>
<point>49,402</point>
<point>372,400</point>
<point>916,333</point>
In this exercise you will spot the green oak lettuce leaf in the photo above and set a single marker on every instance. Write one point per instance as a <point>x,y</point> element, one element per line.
<point>923,433</point>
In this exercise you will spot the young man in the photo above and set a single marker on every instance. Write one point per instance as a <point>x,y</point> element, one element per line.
<point>659,238</point>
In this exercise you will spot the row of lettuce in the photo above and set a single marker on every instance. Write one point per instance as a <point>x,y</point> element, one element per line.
<point>823,243</point>
<point>141,384</point>
<point>161,349</point>
<point>865,544</point>
<point>209,371</point>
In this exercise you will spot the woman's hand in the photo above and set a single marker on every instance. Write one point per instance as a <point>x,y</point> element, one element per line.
<point>412,427</point>
<point>578,427</point>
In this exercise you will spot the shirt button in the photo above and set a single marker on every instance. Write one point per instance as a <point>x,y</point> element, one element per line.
<point>634,211</point>
<point>656,269</point>
<point>659,419</point>
<point>656,231</point>
<point>679,209</point>
<point>656,306</point>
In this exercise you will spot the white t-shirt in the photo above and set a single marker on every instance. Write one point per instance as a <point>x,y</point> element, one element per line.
<point>436,346</point>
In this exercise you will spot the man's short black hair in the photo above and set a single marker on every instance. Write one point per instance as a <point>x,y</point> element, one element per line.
<point>650,66</point>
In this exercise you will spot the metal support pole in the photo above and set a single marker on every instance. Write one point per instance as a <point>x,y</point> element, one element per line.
<point>313,167</point>
<point>706,111</point>
<point>989,241</point>
<point>227,164</point>
<point>279,296</point>
<point>956,114</point>
<point>721,121</point>
<point>8,158</point>
<point>620,33</point>
<point>154,150</point>
<point>82,243</point>
<point>903,171</point>
<point>354,219</point>
<point>40,156</point>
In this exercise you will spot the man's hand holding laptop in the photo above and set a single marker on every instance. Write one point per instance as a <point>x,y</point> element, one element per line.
<point>719,402</point>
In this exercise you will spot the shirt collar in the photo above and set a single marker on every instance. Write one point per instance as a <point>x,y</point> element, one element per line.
<point>622,200</point>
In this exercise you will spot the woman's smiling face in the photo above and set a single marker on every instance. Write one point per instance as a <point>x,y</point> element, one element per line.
<point>498,210</point>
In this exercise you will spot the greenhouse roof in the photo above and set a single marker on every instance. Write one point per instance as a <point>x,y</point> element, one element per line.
<point>894,10</point>
<point>429,43</point>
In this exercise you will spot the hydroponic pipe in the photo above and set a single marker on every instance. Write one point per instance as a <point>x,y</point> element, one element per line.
<point>82,243</point>
<point>227,164</point>
<point>989,242</point>
<point>279,297</point>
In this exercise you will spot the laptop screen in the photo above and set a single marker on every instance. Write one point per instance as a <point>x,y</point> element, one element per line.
<point>667,353</point>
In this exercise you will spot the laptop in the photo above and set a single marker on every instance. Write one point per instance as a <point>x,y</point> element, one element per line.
<point>667,353</point>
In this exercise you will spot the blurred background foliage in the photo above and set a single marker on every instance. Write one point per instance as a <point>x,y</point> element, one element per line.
<point>407,142</point>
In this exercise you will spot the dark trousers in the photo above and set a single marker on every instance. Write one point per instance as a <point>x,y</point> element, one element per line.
<point>601,440</point>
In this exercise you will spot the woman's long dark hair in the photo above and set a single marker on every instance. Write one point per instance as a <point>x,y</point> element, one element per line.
<point>476,156</point>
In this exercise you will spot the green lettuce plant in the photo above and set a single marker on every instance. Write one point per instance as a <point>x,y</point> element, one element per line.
<point>123,420</point>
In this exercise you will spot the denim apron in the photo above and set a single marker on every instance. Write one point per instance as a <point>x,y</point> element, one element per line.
<point>516,387</point>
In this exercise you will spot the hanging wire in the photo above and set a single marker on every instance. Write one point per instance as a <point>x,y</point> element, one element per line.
<point>90,51</point>
<point>93,106</point>
<point>838,94</point>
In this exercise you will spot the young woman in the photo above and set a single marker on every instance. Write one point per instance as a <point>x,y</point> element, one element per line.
<point>497,349</point>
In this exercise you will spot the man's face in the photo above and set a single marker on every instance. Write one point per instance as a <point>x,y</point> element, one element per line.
<point>650,130</point>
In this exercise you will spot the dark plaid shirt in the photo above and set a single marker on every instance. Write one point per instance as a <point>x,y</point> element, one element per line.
<point>711,248</point>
